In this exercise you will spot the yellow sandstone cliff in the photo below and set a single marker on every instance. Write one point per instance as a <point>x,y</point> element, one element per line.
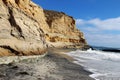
<point>27,29</point>
<point>63,31</point>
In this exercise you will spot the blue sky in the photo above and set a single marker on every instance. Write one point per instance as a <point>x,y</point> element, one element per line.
<point>98,19</point>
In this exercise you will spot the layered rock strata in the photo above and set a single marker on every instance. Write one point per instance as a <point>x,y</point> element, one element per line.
<point>27,29</point>
<point>20,33</point>
<point>63,31</point>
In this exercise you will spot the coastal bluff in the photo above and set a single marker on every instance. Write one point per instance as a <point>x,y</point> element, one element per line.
<point>27,29</point>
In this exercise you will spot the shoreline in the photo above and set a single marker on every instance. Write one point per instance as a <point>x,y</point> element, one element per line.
<point>62,53</point>
<point>54,66</point>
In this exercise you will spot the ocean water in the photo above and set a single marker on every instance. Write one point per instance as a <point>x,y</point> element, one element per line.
<point>105,65</point>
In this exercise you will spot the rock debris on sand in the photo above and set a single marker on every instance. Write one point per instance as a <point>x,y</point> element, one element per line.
<point>50,67</point>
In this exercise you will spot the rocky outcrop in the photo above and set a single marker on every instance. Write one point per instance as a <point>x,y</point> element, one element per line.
<point>27,29</point>
<point>20,33</point>
<point>63,31</point>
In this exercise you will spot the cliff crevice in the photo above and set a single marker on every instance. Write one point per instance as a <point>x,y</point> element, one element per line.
<point>15,26</point>
<point>10,49</point>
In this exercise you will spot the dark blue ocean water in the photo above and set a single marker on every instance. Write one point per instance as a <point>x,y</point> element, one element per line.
<point>106,49</point>
<point>102,61</point>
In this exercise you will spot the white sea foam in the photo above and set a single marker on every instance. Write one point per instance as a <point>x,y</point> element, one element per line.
<point>96,54</point>
<point>104,65</point>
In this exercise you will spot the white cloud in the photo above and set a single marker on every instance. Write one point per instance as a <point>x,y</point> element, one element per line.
<point>108,24</point>
<point>95,31</point>
<point>80,22</point>
<point>103,40</point>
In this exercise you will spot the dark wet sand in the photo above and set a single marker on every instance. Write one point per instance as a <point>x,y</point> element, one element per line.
<point>54,66</point>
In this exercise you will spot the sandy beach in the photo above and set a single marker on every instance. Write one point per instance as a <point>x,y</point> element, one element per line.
<point>54,66</point>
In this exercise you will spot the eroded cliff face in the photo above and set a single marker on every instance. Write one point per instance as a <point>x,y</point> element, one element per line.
<point>63,31</point>
<point>20,33</point>
<point>27,29</point>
